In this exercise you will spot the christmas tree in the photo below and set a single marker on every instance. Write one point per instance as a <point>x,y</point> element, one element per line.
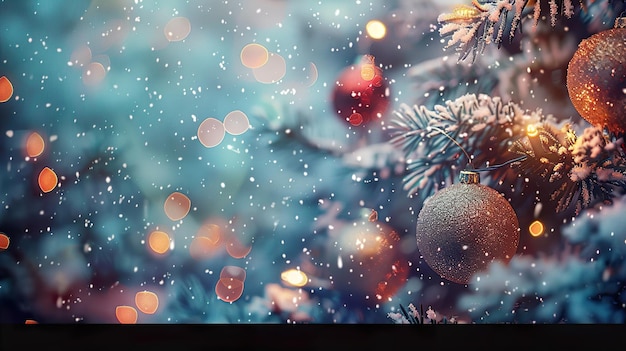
<point>337,162</point>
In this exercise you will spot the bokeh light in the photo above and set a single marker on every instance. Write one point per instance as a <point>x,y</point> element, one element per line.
<point>126,314</point>
<point>229,289</point>
<point>47,180</point>
<point>376,29</point>
<point>34,144</point>
<point>177,29</point>
<point>254,55</point>
<point>6,89</point>
<point>355,119</point>
<point>211,132</point>
<point>159,241</point>
<point>272,71</point>
<point>104,60</point>
<point>30,321</point>
<point>147,145</point>
<point>202,248</point>
<point>93,74</point>
<point>294,277</point>
<point>236,248</point>
<point>536,228</point>
<point>231,283</point>
<point>147,301</point>
<point>207,242</point>
<point>236,122</point>
<point>81,56</point>
<point>368,71</point>
<point>531,130</point>
<point>233,272</point>
<point>4,241</point>
<point>312,74</point>
<point>177,206</point>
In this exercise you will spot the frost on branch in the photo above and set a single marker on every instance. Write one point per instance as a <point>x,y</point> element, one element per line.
<point>470,28</point>
<point>568,172</point>
<point>413,316</point>
<point>584,283</point>
<point>577,172</point>
<point>482,125</point>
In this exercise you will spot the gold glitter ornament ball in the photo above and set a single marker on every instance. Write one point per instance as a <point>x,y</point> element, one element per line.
<point>464,227</point>
<point>596,79</point>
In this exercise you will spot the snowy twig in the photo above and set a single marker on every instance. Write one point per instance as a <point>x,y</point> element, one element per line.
<point>473,27</point>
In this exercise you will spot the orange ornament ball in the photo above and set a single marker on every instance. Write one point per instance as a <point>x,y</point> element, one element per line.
<point>596,79</point>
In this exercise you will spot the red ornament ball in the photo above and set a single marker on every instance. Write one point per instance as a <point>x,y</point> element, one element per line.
<point>463,228</point>
<point>596,79</point>
<point>361,93</point>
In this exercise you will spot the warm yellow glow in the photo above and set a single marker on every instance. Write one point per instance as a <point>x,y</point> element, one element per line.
<point>159,241</point>
<point>34,145</point>
<point>294,277</point>
<point>47,180</point>
<point>535,228</point>
<point>207,242</point>
<point>126,314</point>
<point>6,89</point>
<point>531,130</point>
<point>376,29</point>
<point>147,301</point>
<point>368,72</point>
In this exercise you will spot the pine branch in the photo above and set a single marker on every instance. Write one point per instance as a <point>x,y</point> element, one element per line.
<point>579,171</point>
<point>483,125</point>
<point>473,27</point>
<point>564,169</point>
<point>421,317</point>
<point>583,284</point>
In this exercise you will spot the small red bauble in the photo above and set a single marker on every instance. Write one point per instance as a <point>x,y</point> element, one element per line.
<point>361,93</point>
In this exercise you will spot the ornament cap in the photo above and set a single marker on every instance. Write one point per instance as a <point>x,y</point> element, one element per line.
<point>469,177</point>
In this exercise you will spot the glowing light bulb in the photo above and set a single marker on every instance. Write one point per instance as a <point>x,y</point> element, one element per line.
<point>531,130</point>
<point>376,29</point>
<point>536,228</point>
<point>294,277</point>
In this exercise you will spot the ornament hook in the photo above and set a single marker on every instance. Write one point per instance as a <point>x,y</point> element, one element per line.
<point>469,177</point>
